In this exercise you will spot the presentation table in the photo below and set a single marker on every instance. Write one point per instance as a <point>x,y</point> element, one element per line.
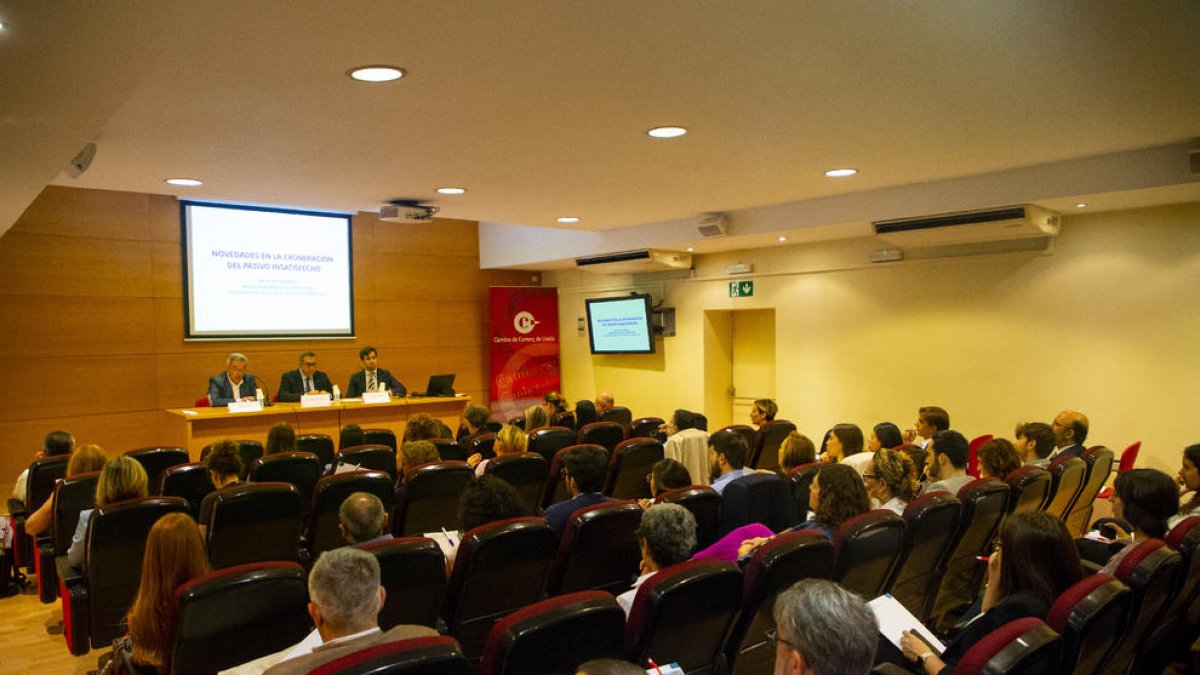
<point>194,428</point>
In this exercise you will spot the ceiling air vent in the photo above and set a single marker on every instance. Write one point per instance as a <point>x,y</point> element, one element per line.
<point>970,227</point>
<point>628,262</point>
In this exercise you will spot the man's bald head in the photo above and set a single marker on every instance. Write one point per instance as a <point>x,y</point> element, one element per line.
<point>1070,428</point>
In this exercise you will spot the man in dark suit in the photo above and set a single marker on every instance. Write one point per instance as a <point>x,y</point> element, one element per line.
<point>584,470</point>
<point>1070,431</point>
<point>304,380</point>
<point>372,377</point>
<point>235,384</point>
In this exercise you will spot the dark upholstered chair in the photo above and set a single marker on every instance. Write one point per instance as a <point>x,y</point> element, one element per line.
<point>563,419</point>
<point>555,489</point>
<point>1089,616</point>
<point>499,568</point>
<point>800,479</point>
<point>868,547</point>
<point>254,522</point>
<point>758,498</point>
<point>1151,571</point>
<point>1066,476</point>
<point>604,434</point>
<point>773,568</point>
<point>1155,652</point>
<point>430,498</point>
<point>549,440</point>
<point>238,614</point>
<point>631,462</point>
<point>1099,462</point>
<point>413,571</point>
<point>434,655</point>
<point>71,495</point>
<point>380,437</point>
<point>449,450</point>
<point>973,453</point>
<point>619,414</point>
<point>705,505</point>
<point>984,504</point>
<point>331,491</point>
<point>95,598</point>
<point>320,445</point>
<point>155,459</point>
<point>301,469</point>
<point>367,457</point>
<point>483,445</point>
<point>647,427</point>
<point>39,485</point>
<point>189,481</point>
<point>525,471</point>
<point>247,450</point>
<point>765,452</point>
<point>555,635</point>
<point>1025,646</point>
<point>597,550</point>
<point>1029,488</point>
<point>930,525</point>
<point>683,614</point>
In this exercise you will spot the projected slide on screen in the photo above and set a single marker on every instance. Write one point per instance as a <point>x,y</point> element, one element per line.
<point>266,273</point>
<point>620,325</point>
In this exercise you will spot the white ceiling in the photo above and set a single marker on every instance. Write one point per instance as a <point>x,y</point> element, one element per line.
<point>539,107</point>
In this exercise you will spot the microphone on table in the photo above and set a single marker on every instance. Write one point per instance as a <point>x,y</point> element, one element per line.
<point>266,391</point>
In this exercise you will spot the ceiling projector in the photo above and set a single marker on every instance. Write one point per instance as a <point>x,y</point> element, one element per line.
<point>407,213</point>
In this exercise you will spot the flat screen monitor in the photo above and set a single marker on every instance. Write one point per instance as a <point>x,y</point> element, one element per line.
<point>266,273</point>
<point>620,325</point>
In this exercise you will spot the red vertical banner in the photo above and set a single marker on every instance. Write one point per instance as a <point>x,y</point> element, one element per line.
<point>523,334</point>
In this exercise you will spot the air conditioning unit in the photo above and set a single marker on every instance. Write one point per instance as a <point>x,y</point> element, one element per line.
<point>1194,163</point>
<point>970,227</point>
<point>631,262</point>
<point>713,225</point>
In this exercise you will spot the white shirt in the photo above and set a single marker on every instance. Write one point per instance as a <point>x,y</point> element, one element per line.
<point>690,448</point>
<point>302,648</point>
<point>858,461</point>
<point>19,489</point>
<point>895,505</point>
<point>236,388</point>
<point>625,600</point>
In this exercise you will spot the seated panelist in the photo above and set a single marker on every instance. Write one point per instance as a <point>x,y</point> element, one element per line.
<point>304,380</point>
<point>235,384</point>
<point>372,377</point>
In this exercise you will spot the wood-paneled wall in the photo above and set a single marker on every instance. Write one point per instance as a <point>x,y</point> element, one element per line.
<point>91,318</point>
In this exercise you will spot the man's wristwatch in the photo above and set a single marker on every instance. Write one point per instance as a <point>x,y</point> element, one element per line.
<point>922,657</point>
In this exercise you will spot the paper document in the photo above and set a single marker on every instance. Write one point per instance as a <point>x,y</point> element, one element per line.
<point>894,619</point>
<point>448,544</point>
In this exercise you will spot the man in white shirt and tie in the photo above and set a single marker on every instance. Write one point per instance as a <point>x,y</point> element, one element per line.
<point>372,377</point>
<point>304,380</point>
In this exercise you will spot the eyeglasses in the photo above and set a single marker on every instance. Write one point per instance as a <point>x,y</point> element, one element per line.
<point>773,639</point>
<point>869,475</point>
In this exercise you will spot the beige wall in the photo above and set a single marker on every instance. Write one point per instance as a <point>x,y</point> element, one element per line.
<point>91,318</point>
<point>1106,322</point>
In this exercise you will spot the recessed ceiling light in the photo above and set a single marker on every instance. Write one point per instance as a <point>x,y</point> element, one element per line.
<point>376,73</point>
<point>690,249</point>
<point>1081,205</point>
<point>451,191</point>
<point>185,182</point>
<point>1,25</point>
<point>667,132</point>
<point>568,219</point>
<point>783,239</point>
<point>840,173</point>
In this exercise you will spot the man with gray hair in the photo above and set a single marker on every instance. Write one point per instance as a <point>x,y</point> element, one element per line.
<point>667,536</point>
<point>235,384</point>
<point>362,519</point>
<point>823,629</point>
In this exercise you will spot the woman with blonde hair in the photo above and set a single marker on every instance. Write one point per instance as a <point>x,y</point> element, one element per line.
<point>85,459</point>
<point>536,418</point>
<point>891,480</point>
<point>175,554</point>
<point>795,450</point>
<point>509,440</point>
<point>120,479</point>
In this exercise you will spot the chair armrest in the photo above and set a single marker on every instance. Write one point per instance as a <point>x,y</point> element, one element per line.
<point>22,547</point>
<point>47,573</point>
<point>73,591</point>
<point>17,508</point>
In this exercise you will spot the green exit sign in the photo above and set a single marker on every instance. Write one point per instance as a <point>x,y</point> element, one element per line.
<point>741,289</point>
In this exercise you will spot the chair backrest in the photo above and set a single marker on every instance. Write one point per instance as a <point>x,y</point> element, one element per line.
<point>1029,488</point>
<point>758,498</point>
<point>765,454</point>
<point>683,614</point>
<point>619,414</point>
<point>302,469</point>
<point>1066,480</point>
<point>1025,646</point>
<point>744,432</point>
<point>774,567</point>
<point>249,451</point>
<point>973,454</point>
<point>43,474</point>
<point>1099,462</point>
<point>1185,538</point>
<point>369,457</point>
<point>1089,615</point>
<point>71,496</point>
<point>604,434</point>
<point>238,614</point>
<point>597,550</point>
<point>430,499</point>
<point>930,525</point>
<point>449,450</point>
<point>648,427</point>
<point>482,444</point>
<point>705,505</point>
<point>555,489</point>
<point>800,479</point>
<point>548,441</point>
<point>984,505</point>
<point>115,543</point>
<point>868,547</point>
<point>254,522</point>
<point>563,419</point>
<point>320,445</point>
<point>413,572</point>
<point>434,655</point>
<point>190,481</point>
<point>525,471</point>
<point>156,459</point>
<point>380,437</point>
<point>331,491</point>
<point>499,568</point>
<point>1151,571</point>
<point>555,635</point>
<point>1129,456</point>
<point>632,461</point>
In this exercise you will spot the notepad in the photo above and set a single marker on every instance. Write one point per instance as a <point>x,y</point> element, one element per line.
<point>894,619</point>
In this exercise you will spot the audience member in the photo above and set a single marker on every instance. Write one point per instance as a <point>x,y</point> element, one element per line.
<point>665,475</point>
<point>509,440</point>
<point>891,480</point>
<point>1035,442</point>
<point>998,458</point>
<point>1034,561</point>
<point>487,500</point>
<point>235,384</point>
<point>687,444</point>
<point>946,462</point>
<point>475,419</point>
<point>609,667</point>
<point>845,446</point>
<point>373,378</point>
<point>584,469</point>
<point>727,455</point>
<point>822,629</point>
<point>585,414</point>
<point>362,519</point>
<point>412,455</point>
<point>762,411</point>
<point>666,536</point>
<point>885,435</point>
<point>225,468</point>
<point>1145,499</point>
<point>85,459</point>
<point>281,438</point>
<point>1188,480</point>
<point>554,402</point>
<point>604,401</point>
<point>796,450</point>
<point>55,443</point>
<point>121,478</point>
<point>304,380</point>
<point>1070,431</point>
<point>422,427</point>
<point>930,420</point>
<point>351,436</point>
<point>536,418</point>
<point>175,554</point>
